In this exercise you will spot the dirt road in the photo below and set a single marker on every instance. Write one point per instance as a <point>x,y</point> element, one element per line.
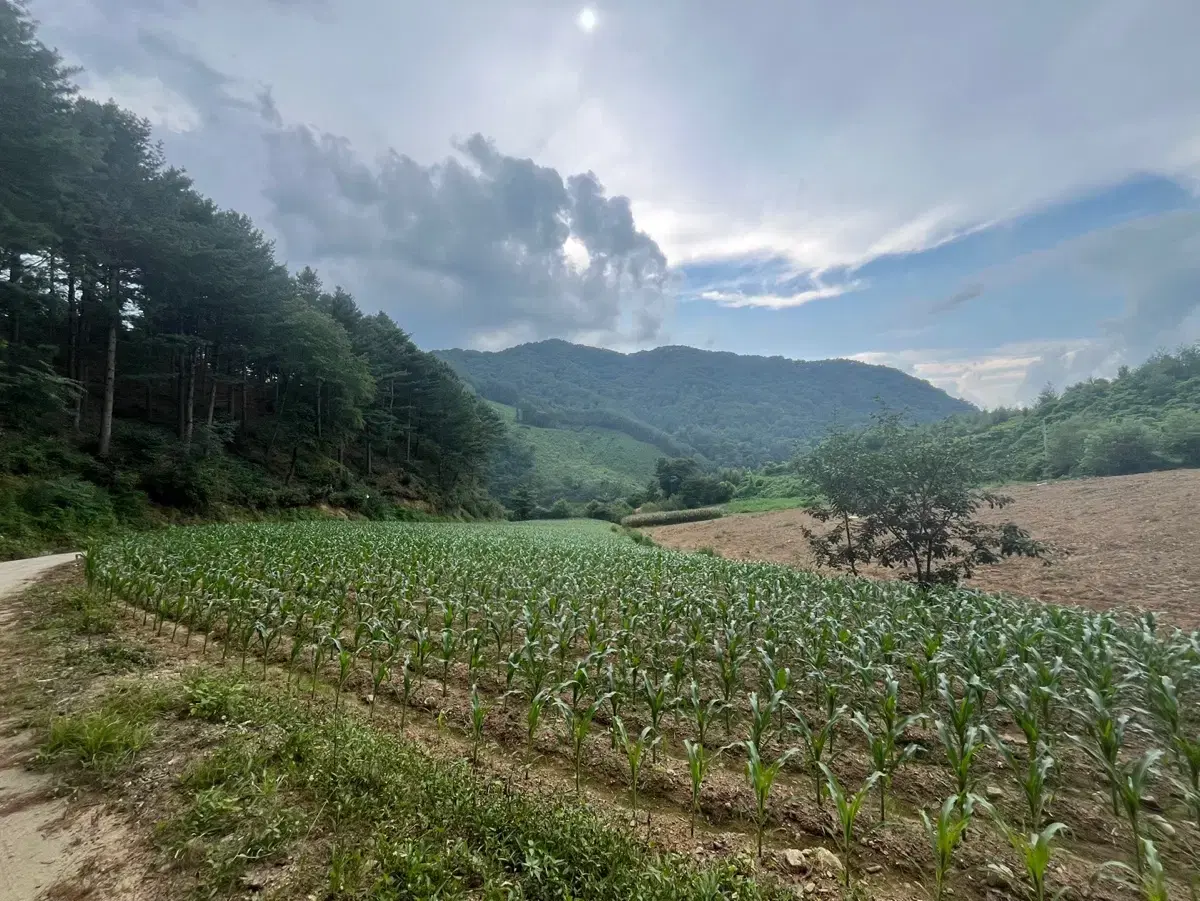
<point>35,850</point>
<point>1120,542</point>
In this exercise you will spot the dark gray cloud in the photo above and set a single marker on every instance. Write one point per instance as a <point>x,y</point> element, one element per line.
<point>501,246</point>
<point>958,298</point>
<point>480,247</point>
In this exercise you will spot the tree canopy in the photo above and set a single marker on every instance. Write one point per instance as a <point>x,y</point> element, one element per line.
<point>132,307</point>
<point>905,497</point>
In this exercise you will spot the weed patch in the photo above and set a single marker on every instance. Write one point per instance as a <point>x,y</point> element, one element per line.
<point>100,741</point>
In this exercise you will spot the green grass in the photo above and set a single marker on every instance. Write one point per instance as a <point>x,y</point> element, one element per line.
<point>397,822</point>
<point>587,462</point>
<point>765,504</point>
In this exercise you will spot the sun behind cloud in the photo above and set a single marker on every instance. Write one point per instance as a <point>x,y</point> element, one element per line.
<point>587,20</point>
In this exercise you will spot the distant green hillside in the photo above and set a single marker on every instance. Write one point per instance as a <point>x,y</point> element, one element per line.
<point>1146,418</point>
<point>578,464</point>
<point>732,410</point>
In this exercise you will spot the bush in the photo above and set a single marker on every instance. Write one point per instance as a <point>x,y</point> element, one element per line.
<point>703,491</point>
<point>672,517</point>
<point>1120,448</point>
<point>611,512</point>
<point>1181,436</point>
<point>177,480</point>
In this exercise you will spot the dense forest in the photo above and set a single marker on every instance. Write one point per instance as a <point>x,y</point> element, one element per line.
<point>152,347</point>
<point>1146,418</point>
<point>728,409</point>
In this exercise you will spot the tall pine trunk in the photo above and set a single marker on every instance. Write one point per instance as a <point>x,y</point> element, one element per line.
<point>110,381</point>
<point>212,396</point>
<point>181,397</point>
<point>191,397</point>
<point>72,327</point>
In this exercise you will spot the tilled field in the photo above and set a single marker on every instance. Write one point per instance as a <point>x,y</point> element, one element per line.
<point>1124,542</point>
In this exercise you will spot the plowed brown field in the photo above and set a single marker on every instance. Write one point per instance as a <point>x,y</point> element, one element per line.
<point>1130,542</point>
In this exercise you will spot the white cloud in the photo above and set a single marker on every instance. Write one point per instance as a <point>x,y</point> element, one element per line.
<point>1004,376</point>
<point>734,299</point>
<point>148,97</point>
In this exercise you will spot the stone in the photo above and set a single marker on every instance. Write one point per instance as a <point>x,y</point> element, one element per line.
<point>994,793</point>
<point>874,869</point>
<point>825,860</point>
<point>810,888</point>
<point>997,878</point>
<point>796,860</point>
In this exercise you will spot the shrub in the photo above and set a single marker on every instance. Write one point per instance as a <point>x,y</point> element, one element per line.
<point>703,491</point>
<point>177,480</point>
<point>1181,436</point>
<point>607,511</point>
<point>671,517</point>
<point>1120,448</point>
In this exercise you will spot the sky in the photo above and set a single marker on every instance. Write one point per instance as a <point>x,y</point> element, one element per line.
<point>990,196</point>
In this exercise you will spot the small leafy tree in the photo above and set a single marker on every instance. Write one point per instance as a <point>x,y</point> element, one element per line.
<point>907,497</point>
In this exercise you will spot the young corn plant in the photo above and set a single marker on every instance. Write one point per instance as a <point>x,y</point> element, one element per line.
<point>533,716</point>
<point>817,744</point>
<point>761,776</point>
<point>345,662</point>
<point>448,646</point>
<point>1035,852</point>
<point>945,833</point>
<point>699,759</point>
<point>408,685</point>
<point>1150,884</point>
<point>887,752</point>
<point>702,712</point>
<point>961,739</point>
<point>1105,737</point>
<point>846,809</point>
<point>1132,781</point>
<point>1185,750</point>
<point>1032,774</point>
<point>579,720</point>
<point>635,753</point>
<point>479,712</point>
<point>659,699</point>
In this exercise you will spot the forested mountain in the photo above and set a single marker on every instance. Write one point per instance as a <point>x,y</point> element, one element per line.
<point>732,410</point>
<point>1146,418</point>
<point>152,343</point>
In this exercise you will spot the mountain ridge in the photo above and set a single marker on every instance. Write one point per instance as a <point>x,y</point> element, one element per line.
<point>732,409</point>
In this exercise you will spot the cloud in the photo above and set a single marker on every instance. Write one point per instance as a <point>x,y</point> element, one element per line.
<point>737,300</point>
<point>828,135</point>
<point>481,238</point>
<point>958,298</point>
<point>999,377</point>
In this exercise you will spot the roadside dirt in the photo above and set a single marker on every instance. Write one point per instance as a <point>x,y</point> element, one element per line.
<point>52,845</point>
<point>1128,542</point>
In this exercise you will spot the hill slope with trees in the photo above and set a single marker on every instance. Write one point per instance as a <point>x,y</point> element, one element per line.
<point>152,347</point>
<point>1147,418</point>
<point>731,410</point>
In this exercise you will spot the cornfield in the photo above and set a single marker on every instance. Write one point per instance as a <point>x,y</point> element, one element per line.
<point>848,688</point>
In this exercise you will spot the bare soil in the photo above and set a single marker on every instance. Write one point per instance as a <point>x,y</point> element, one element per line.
<point>54,843</point>
<point>1125,542</point>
